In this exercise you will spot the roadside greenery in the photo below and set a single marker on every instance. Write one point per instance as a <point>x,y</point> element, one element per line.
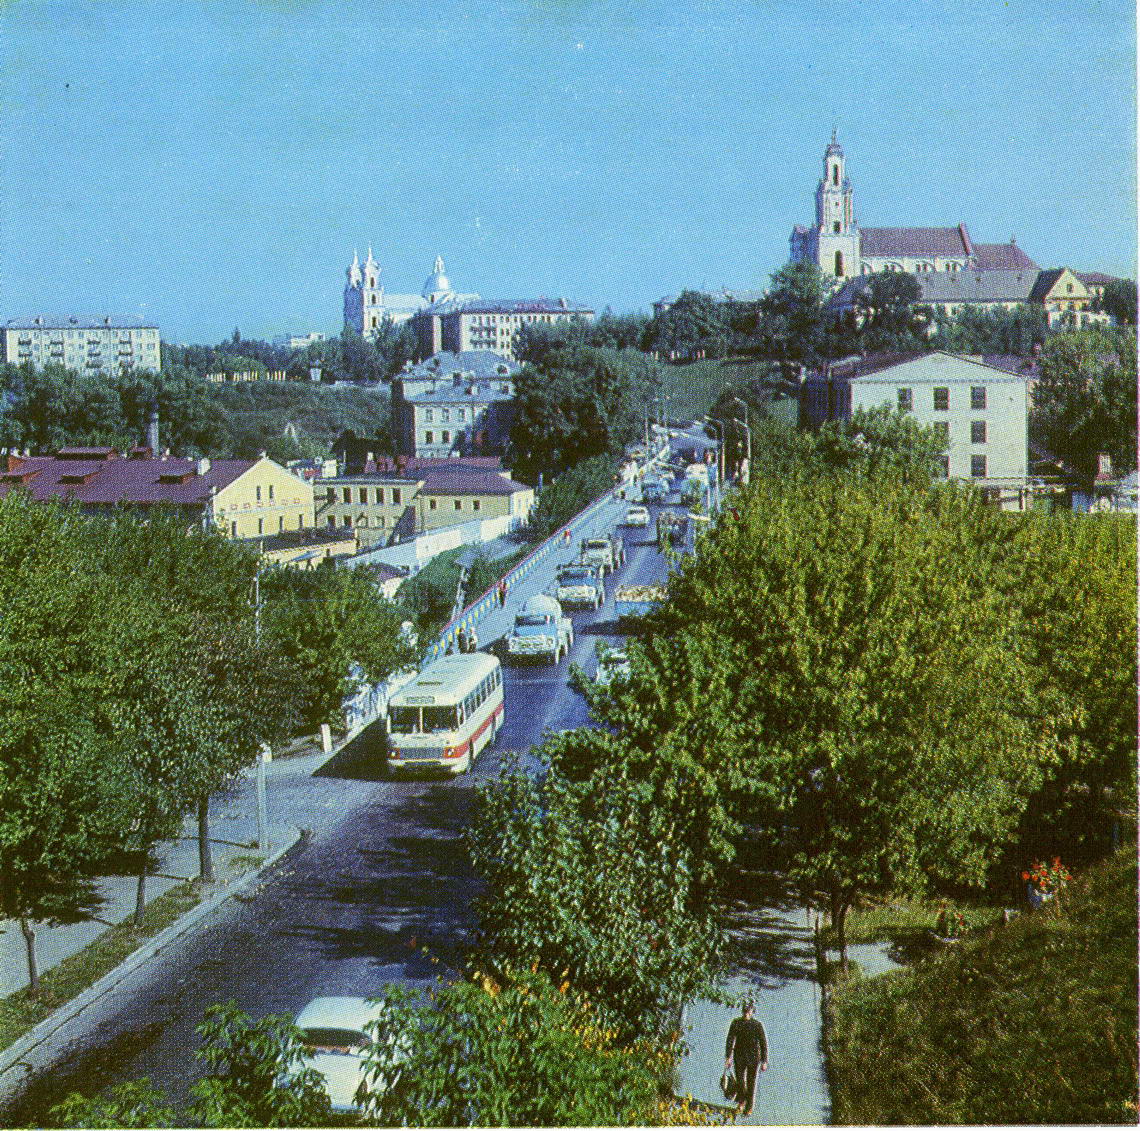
<point>1041,1026</point>
<point>571,492</point>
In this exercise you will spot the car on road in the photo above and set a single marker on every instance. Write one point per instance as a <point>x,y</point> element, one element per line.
<point>636,516</point>
<point>337,1044</point>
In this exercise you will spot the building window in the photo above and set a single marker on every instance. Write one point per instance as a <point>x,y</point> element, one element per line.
<point>261,526</point>
<point>474,504</point>
<point>271,492</point>
<point>977,431</point>
<point>462,415</point>
<point>428,416</point>
<point>332,521</point>
<point>458,504</point>
<point>978,467</point>
<point>396,496</point>
<point>445,437</point>
<point>257,493</point>
<point>380,495</point>
<point>977,396</point>
<point>839,265</point>
<point>330,495</point>
<point>233,529</point>
<point>944,466</point>
<point>906,400</point>
<point>942,399</point>
<point>429,437</point>
<point>364,495</point>
<point>346,520</point>
<point>300,522</point>
<point>431,504</point>
<point>444,415</point>
<point>281,525</point>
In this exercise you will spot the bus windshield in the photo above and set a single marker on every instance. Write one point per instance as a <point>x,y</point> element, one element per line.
<point>575,575</point>
<point>440,718</point>
<point>404,720</point>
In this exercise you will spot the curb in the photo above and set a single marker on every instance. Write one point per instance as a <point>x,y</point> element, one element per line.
<point>11,1056</point>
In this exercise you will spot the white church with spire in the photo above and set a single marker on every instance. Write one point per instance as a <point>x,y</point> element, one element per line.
<point>842,249</point>
<point>367,306</point>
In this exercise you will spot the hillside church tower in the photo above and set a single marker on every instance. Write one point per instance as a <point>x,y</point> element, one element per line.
<point>834,241</point>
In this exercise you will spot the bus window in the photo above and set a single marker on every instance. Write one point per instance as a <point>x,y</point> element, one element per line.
<point>439,718</point>
<point>405,720</point>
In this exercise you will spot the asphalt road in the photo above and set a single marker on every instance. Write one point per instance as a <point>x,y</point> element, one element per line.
<point>382,875</point>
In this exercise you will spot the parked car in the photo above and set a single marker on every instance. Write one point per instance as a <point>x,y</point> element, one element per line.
<point>335,1032</point>
<point>636,516</point>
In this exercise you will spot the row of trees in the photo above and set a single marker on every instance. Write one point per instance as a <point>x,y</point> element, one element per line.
<point>53,407</point>
<point>136,681</point>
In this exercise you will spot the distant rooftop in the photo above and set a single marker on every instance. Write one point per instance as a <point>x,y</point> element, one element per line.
<point>69,322</point>
<point>480,363</point>
<point>508,306</point>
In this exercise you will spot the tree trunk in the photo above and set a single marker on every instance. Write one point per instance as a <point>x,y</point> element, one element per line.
<point>140,890</point>
<point>29,932</point>
<point>839,922</point>
<point>205,857</point>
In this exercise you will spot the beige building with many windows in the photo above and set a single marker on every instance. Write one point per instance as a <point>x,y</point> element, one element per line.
<point>460,324</point>
<point>384,508</point>
<point>106,345</point>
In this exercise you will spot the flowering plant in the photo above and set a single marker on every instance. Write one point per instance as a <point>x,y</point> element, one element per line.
<point>1048,879</point>
<point>951,923</point>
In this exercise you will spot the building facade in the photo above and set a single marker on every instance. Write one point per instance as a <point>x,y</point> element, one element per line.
<point>244,499</point>
<point>107,345</point>
<point>461,324</point>
<point>455,404</point>
<point>384,508</point>
<point>842,249</point>
<point>981,412</point>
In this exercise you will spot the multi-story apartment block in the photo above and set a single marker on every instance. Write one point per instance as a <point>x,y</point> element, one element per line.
<point>980,411</point>
<point>455,404</point>
<point>245,499</point>
<point>104,346</point>
<point>459,324</point>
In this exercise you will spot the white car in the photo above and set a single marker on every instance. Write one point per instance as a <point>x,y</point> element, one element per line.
<point>636,516</point>
<point>613,663</point>
<point>334,1030</point>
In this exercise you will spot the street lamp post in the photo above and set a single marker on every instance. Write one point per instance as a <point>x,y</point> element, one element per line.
<point>720,455</point>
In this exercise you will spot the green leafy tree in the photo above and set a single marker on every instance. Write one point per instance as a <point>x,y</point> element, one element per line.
<point>880,441</point>
<point>887,308</point>
<point>331,625</point>
<point>588,880</point>
<point>510,1050</point>
<point>1085,400</point>
<point>579,402</point>
<point>136,1103</point>
<point>792,326</point>
<point>881,715</point>
<point>571,492</point>
<point>1119,300</point>
<point>695,323</point>
<point>1016,332</point>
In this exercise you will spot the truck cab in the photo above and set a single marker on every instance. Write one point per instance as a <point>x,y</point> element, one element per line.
<point>604,552</point>
<point>580,583</point>
<point>540,631</point>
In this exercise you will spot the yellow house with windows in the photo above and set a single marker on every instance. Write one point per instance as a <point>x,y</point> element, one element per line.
<point>263,498</point>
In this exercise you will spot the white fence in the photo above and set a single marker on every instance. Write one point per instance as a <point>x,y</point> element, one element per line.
<point>413,555</point>
<point>371,702</point>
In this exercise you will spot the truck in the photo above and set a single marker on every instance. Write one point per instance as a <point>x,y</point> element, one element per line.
<point>605,552</point>
<point>653,490</point>
<point>671,529</point>
<point>631,601</point>
<point>540,631</point>
<point>580,583</point>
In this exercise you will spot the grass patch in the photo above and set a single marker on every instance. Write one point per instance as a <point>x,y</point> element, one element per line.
<point>20,1011</point>
<point>244,863</point>
<point>1035,1022</point>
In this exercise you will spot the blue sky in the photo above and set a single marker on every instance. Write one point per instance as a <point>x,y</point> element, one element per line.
<point>211,165</point>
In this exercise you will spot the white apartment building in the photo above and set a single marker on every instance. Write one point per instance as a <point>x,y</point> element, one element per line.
<point>103,346</point>
<point>981,411</point>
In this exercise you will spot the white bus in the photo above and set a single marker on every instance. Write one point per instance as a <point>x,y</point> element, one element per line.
<point>446,715</point>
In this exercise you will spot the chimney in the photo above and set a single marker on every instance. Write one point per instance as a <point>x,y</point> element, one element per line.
<point>152,431</point>
<point>203,466</point>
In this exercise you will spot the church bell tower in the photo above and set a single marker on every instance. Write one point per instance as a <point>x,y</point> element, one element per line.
<point>837,235</point>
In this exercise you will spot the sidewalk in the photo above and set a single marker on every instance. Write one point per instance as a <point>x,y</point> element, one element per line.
<point>233,839</point>
<point>778,972</point>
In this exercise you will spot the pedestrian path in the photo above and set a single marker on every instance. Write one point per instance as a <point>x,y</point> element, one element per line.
<point>776,968</point>
<point>233,840</point>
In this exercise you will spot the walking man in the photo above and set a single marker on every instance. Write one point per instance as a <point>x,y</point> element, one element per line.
<point>745,1050</point>
<point>502,594</point>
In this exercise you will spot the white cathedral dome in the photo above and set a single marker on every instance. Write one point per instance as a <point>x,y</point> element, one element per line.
<point>438,282</point>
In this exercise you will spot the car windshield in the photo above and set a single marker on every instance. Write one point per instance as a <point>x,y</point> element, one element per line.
<point>574,575</point>
<point>440,718</point>
<point>530,620</point>
<point>405,720</point>
<point>336,1040</point>
<point>597,544</point>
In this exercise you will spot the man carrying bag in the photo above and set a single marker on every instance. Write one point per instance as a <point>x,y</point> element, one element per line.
<point>745,1051</point>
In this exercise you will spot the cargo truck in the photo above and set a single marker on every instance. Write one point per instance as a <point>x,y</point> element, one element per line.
<point>540,631</point>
